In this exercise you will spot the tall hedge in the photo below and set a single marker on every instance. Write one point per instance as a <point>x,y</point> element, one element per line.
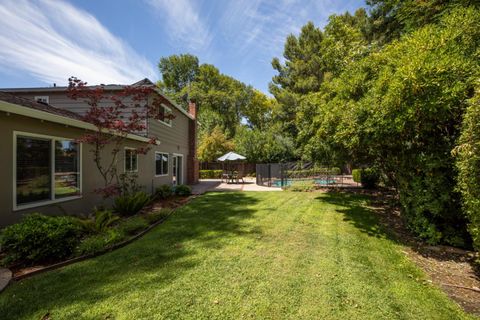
<point>468,164</point>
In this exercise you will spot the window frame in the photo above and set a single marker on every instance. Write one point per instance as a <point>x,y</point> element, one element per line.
<point>155,163</point>
<point>52,200</point>
<point>125,160</point>
<point>167,108</point>
<point>46,98</point>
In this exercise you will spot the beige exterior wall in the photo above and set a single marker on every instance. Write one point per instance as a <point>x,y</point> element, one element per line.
<point>173,140</point>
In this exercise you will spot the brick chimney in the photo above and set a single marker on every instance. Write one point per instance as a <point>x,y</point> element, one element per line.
<point>193,167</point>
<point>192,109</point>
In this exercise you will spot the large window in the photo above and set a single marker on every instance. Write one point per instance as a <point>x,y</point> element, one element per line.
<point>131,160</point>
<point>164,115</point>
<point>161,164</point>
<point>47,169</point>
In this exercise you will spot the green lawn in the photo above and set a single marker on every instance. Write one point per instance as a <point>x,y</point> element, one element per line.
<point>264,255</point>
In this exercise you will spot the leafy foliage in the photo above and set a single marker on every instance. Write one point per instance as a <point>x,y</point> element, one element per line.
<point>38,238</point>
<point>183,190</point>
<point>211,174</point>
<point>214,145</point>
<point>468,164</point>
<point>369,178</point>
<point>164,191</point>
<point>130,204</point>
<point>99,242</point>
<point>133,225</point>
<point>396,106</point>
<point>356,175</point>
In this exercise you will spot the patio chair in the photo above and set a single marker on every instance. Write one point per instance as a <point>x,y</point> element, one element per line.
<point>239,176</point>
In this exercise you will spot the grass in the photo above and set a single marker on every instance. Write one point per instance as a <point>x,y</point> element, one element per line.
<point>278,255</point>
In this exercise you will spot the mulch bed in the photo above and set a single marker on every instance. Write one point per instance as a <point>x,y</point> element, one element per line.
<point>172,203</point>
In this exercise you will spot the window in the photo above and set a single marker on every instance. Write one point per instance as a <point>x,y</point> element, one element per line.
<point>41,99</point>
<point>161,164</point>
<point>46,169</point>
<point>131,160</point>
<point>164,114</point>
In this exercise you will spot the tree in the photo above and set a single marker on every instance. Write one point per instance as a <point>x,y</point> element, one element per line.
<point>264,145</point>
<point>178,72</point>
<point>113,125</point>
<point>400,110</point>
<point>214,145</point>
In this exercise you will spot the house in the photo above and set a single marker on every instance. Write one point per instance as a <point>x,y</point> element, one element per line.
<point>44,169</point>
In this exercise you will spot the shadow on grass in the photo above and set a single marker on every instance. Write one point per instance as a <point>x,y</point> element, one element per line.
<point>352,206</point>
<point>169,250</point>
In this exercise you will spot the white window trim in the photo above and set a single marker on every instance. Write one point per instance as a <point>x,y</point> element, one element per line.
<point>46,98</point>
<point>52,172</point>
<point>125,162</point>
<point>170,111</point>
<point>155,164</point>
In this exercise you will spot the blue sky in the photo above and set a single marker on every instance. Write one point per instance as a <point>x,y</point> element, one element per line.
<point>121,41</point>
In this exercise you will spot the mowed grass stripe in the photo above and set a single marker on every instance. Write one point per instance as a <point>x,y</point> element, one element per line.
<point>278,255</point>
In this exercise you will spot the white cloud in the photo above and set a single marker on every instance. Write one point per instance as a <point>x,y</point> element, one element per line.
<point>185,26</point>
<point>53,40</point>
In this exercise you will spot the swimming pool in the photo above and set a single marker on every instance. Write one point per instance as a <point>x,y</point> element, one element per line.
<point>288,182</point>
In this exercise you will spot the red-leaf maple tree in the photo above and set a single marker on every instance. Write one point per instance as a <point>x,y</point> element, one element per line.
<point>116,115</point>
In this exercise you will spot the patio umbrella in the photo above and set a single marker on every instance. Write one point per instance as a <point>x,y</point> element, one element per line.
<point>231,156</point>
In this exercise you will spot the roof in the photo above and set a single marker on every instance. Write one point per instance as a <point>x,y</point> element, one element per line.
<point>29,103</point>
<point>144,82</point>
<point>10,103</point>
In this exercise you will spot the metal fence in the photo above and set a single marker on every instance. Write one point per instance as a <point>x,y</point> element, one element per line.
<point>284,174</point>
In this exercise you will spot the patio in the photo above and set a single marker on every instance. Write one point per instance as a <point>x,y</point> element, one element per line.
<point>206,185</point>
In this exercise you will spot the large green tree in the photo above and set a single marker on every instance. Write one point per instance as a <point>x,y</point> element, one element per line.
<point>400,109</point>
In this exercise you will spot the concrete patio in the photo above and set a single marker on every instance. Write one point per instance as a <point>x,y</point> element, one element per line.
<point>206,185</point>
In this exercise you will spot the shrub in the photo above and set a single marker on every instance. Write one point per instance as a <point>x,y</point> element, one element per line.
<point>157,215</point>
<point>468,164</point>
<point>369,178</point>
<point>356,175</point>
<point>100,242</point>
<point>101,221</point>
<point>302,186</point>
<point>130,204</point>
<point>164,191</point>
<point>211,174</point>
<point>133,225</point>
<point>183,190</point>
<point>40,238</point>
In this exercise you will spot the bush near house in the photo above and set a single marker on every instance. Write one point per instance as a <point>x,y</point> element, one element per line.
<point>211,174</point>
<point>183,190</point>
<point>164,191</point>
<point>39,238</point>
<point>130,204</point>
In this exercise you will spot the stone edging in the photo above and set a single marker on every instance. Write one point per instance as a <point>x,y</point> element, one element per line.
<point>5,278</point>
<point>89,256</point>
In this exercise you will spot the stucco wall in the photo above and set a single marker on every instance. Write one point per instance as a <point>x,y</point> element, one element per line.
<point>89,175</point>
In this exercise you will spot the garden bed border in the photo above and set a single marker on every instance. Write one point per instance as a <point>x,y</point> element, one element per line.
<point>96,254</point>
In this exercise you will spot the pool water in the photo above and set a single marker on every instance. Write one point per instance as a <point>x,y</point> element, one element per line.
<point>288,182</point>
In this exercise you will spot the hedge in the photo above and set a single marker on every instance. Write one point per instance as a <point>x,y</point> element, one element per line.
<point>368,177</point>
<point>211,174</point>
<point>468,165</point>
